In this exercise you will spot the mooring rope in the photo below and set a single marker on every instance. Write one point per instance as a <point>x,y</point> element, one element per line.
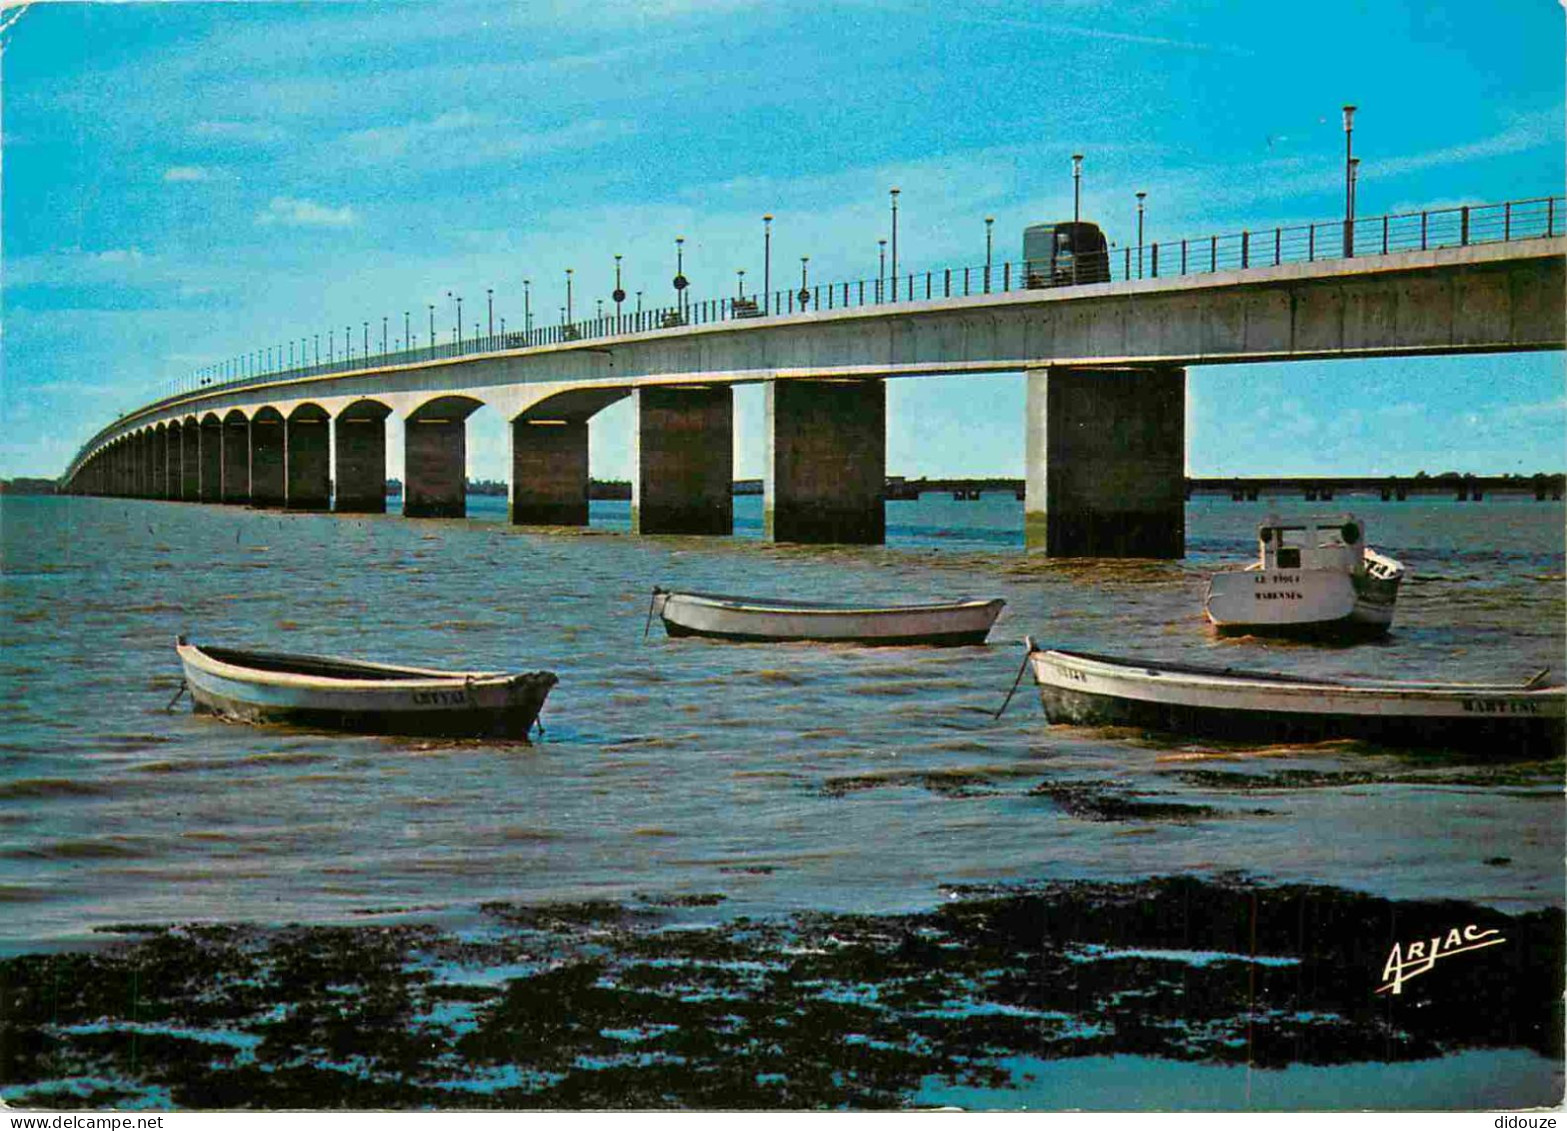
<point>176,698</point>
<point>1028,650</point>
<point>651,601</point>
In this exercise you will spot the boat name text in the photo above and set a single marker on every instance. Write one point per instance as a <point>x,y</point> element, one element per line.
<point>440,698</point>
<point>1278,594</point>
<point>1501,707</point>
<point>1404,963</point>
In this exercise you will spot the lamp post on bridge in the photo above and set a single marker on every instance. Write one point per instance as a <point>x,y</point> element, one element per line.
<point>894,193</point>
<point>1077,205</point>
<point>619,295</point>
<point>1140,198</point>
<point>457,330</point>
<point>367,340</point>
<point>407,337</point>
<point>568,296</point>
<point>767,262</point>
<point>681,282</point>
<point>1349,180</point>
<point>432,328</point>
<point>527,307</point>
<point>989,223</point>
<point>805,286</point>
<point>881,268</point>
<point>489,300</point>
<point>1354,192</point>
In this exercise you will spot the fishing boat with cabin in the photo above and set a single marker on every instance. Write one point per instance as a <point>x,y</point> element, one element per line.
<point>330,693</point>
<point>1312,577</point>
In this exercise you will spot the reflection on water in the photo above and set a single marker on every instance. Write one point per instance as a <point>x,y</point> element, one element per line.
<point>759,780</point>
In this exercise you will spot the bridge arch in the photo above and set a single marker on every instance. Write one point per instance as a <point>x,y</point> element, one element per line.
<point>209,457</point>
<point>435,457</point>
<point>185,434</point>
<point>235,458</point>
<point>359,459</point>
<point>268,458</point>
<point>162,459</point>
<point>308,458</point>
<point>175,483</point>
<point>550,472</point>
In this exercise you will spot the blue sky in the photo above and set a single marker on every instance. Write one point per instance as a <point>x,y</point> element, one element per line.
<point>183,182</point>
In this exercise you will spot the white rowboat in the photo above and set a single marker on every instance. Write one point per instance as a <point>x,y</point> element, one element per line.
<point>763,619</point>
<point>325,692</point>
<point>1312,577</point>
<point>1507,720</point>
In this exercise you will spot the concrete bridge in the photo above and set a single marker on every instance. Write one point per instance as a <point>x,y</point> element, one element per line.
<point>1106,387</point>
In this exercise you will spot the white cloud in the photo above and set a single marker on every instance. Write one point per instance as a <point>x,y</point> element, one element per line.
<point>294,213</point>
<point>389,143</point>
<point>116,255</point>
<point>463,137</point>
<point>181,173</point>
<point>240,132</point>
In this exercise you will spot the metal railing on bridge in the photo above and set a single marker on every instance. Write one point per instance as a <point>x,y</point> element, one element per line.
<point>1264,247</point>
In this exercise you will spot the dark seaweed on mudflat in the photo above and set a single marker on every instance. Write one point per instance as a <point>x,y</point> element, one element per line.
<point>605,1006</point>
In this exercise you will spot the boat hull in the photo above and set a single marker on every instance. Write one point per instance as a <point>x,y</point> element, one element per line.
<point>1300,603</point>
<point>1504,722</point>
<point>405,702</point>
<point>747,620</point>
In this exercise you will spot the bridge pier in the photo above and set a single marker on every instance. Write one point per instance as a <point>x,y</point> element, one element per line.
<point>190,461</point>
<point>309,459</point>
<point>236,459</point>
<point>1106,455</point>
<point>549,472</point>
<point>359,433</point>
<point>683,449</point>
<point>268,457</point>
<point>435,459</point>
<point>210,440</point>
<point>167,485</point>
<point>826,462</point>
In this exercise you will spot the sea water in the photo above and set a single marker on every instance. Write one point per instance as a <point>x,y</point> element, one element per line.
<point>759,780</point>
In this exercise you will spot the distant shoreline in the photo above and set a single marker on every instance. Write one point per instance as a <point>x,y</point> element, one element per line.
<point>1462,485</point>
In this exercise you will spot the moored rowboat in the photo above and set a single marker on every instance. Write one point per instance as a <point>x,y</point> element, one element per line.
<point>765,619</point>
<point>1508,720</point>
<point>326,692</point>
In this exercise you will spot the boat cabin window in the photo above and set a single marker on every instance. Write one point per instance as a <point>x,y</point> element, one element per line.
<point>1310,545</point>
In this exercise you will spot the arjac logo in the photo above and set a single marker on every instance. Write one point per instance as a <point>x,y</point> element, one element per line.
<point>1418,957</point>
